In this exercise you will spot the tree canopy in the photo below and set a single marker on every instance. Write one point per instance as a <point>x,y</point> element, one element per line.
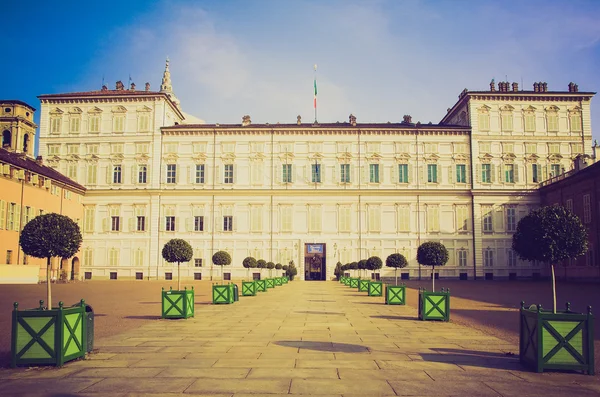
<point>397,261</point>
<point>221,258</point>
<point>374,263</point>
<point>432,253</point>
<point>278,266</point>
<point>550,234</point>
<point>249,262</point>
<point>270,265</point>
<point>177,250</point>
<point>51,235</point>
<point>261,263</point>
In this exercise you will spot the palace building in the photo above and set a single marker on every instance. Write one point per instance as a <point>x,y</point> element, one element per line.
<point>312,193</point>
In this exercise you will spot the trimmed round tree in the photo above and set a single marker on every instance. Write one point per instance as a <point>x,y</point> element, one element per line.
<point>550,234</point>
<point>48,236</point>
<point>338,271</point>
<point>177,250</point>
<point>249,263</point>
<point>270,266</point>
<point>292,271</point>
<point>261,264</point>
<point>353,266</point>
<point>362,265</point>
<point>278,266</point>
<point>221,258</point>
<point>397,261</point>
<point>374,263</point>
<point>432,253</point>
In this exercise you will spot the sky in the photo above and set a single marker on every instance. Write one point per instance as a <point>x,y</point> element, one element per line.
<point>378,60</point>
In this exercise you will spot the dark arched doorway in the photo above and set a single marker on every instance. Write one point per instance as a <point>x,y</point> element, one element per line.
<point>74,268</point>
<point>25,143</point>
<point>6,139</point>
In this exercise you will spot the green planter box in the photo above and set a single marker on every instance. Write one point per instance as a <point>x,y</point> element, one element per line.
<point>561,341</point>
<point>284,280</point>
<point>375,288</point>
<point>261,285</point>
<point>223,294</point>
<point>434,305</point>
<point>353,283</point>
<point>395,294</point>
<point>248,288</point>
<point>347,281</point>
<point>48,337</point>
<point>363,285</point>
<point>177,304</point>
<point>270,282</point>
<point>342,280</point>
<point>278,281</point>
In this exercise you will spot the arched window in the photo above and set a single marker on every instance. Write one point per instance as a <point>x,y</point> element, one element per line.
<point>25,143</point>
<point>6,139</point>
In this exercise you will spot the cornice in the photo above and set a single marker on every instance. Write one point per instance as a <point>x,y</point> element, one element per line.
<point>315,132</point>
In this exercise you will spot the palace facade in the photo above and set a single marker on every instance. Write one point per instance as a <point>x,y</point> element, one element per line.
<point>312,193</point>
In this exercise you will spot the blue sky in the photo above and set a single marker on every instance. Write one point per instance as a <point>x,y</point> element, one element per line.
<point>378,60</point>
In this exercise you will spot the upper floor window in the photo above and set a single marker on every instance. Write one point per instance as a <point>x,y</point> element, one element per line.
<point>199,223</point>
<point>374,173</point>
<point>484,121</point>
<point>119,123</point>
<point>199,147</point>
<point>552,121</point>
<point>485,147</point>
<point>431,148</point>
<point>576,148</point>
<point>92,173</point>
<point>228,147</point>
<point>462,257</point>
<point>228,173</point>
<point>575,121</point>
<point>488,225</point>
<point>94,124</point>
<point>461,173</point>
<point>511,219</point>
<point>373,147</point>
<point>531,148</point>
<point>171,173</point>
<point>529,122</point>
<point>509,173</point>
<point>555,170</point>
<point>142,173</point>
<point>587,209</point>
<point>199,176</point>
<point>402,173</point>
<point>144,122</point>
<point>170,223</point>
<point>536,173</point>
<point>117,174</point>
<point>508,148</point>
<point>506,119</point>
<point>488,257</point>
<point>316,173</point>
<point>432,173</point>
<point>569,204</point>
<point>73,149</point>
<point>142,148</point>
<point>344,218</point>
<point>227,223</point>
<point>287,173</point>
<point>116,148</point>
<point>92,148</point>
<point>53,150</point>
<point>554,148</point>
<point>74,125</point>
<point>462,217</point>
<point>345,173</point>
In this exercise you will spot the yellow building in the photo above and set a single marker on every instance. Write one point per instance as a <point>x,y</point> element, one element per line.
<point>28,188</point>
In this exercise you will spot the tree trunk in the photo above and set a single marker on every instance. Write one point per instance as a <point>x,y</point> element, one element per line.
<point>178,277</point>
<point>433,279</point>
<point>48,282</point>
<point>396,274</point>
<point>553,291</point>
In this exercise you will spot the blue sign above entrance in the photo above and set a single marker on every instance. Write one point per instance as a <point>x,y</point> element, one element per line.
<point>315,248</point>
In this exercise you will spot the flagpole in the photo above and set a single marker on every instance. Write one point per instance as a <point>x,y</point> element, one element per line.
<point>315,99</point>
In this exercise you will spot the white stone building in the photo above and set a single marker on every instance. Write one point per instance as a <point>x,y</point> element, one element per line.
<point>281,192</point>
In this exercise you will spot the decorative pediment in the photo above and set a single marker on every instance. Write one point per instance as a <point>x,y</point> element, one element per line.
<point>552,109</point>
<point>484,109</point>
<point>92,158</point>
<point>506,108</point>
<point>286,157</point>
<point>432,158</point>
<point>402,158</point>
<point>142,158</point>
<point>374,158</point>
<point>75,110</point>
<point>170,157</point>
<point>56,111</point>
<point>575,110</point>
<point>344,157</point>
<point>199,157</point>
<point>529,109</point>
<point>257,157</point>
<point>460,158</point>
<point>486,158</point>
<point>532,158</point>
<point>119,109</point>
<point>555,158</point>
<point>116,158</point>
<point>228,158</point>
<point>509,158</point>
<point>54,159</point>
<point>316,156</point>
<point>144,109</point>
<point>73,157</point>
<point>95,110</point>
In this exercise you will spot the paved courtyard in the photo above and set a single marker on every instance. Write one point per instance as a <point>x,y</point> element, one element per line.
<point>318,339</point>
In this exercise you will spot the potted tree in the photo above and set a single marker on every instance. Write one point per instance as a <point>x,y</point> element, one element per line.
<point>270,281</point>
<point>553,339</point>
<point>292,271</point>
<point>261,285</point>
<point>337,272</point>
<point>433,305</point>
<point>49,335</point>
<point>223,293</point>
<point>249,287</point>
<point>374,263</point>
<point>177,304</point>
<point>395,294</point>
<point>285,277</point>
<point>362,267</point>
<point>278,278</point>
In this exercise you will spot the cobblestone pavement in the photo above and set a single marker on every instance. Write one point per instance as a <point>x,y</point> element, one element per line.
<point>318,339</point>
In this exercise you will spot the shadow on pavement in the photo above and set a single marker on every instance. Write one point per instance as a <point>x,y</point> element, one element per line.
<point>474,358</point>
<point>317,300</point>
<point>326,313</point>
<point>396,318</point>
<point>324,346</point>
<point>144,317</point>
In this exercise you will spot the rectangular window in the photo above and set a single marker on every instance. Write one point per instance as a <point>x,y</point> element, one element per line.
<point>256,218</point>
<point>170,223</point>
<point>512,258</point>
<point>199,176</point>
<point>432,173</point>
<point>488,225</point>
<point>507,122</point>
<point>228,223</point>
<point>141,224</point>
<point>228,147</point>
<point>508,148</point>
<point>484,122</point>
<point>115,223</point>
<point>485,147</point>
<point>488,258</point>
<point>171,173</point>
<point>530,122</point>
<point>113,260</point>
<point>53,150</point>
<point>433,218</point>
<point>286,218</point>
<point>535,171</point>
<point>569,205</point>
<point>315,218</point>
<point>587,209</point>
<point>55,124</point>
<point>197,262</point>
<point>404,218</point>
<point>316,173</point>
<point>92,173</point>
<point>462,258</point>
<point>72,149</point>
<point>8,257</point>
<point>199,223</point>
<point>374,173</point>
<point>228,173</point>
<point>142,174</point>
<point>141,148</point>
<point>554,148</point>
<point>345,173</point>
<point>575,120</point>
<point>531,148</point>
<point>116,148</point>
<point>552,119</point>
<point>10,224</point>
<point>94,124</point>
<point>117,174</point>
<point>461,173</point>
<point>119,123</point>
<point>144,122</point>
<point>287,173</point>
<point>402,173</point>
<point>171,147</point>
<point>511,219</point>
<point>374,218</point>
<point>74,125</point>
<point>431,148</point>
<point>88,258</point>
<point>462,218</point>
<point>72,170</point>
<point>2,214</point>
<point>555,170</point>
<point>509,173</point>
<point>88,219</point>
<point>576,148</point>
<point>138,258</point>
<point>344,225</point>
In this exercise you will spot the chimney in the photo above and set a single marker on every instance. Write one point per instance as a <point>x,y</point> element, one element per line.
<point>119,85</point>
<point>536,87</point>
<point>104,88</point>
<point>39,160</point>
<point>492,86</point>
<point>407,119</point>
<point>544,87</point>
<point>246,121</point>
<point>299,120</point>
<point>515,87</point>
<point>132,88</point>
<point>147,86</point>
<point>571,86</point>
<point>352,119</point>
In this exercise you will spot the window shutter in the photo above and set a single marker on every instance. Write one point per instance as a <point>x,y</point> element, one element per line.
<point>189,224</point>
<point>335,179</point>
<point>105,224</point>
<point>467,173</point>
<point>394,174</point>
<point>131,225</point>
<point>516,173</point>
<point>293,173</point>
<point>356,174</point>
<point>2,214</point>
<point>450,174</point>
<point>380,173</point>
<point>108,175</point>
<point>410,173</point>
<point>421,173</point>
<point>306,173</point>
<point>17,223</point>
<point>278,171</point>
<point>364,178</point>
<point>191,171</point>
<point>133,174</point>
<point>493,173</point>
<point>478,173</point>
<point>545,173</point>
<point>501,173</point>
<point>121,226</point>
<point>539,173</point>
<point>234,174</point>
<point>164,174</point>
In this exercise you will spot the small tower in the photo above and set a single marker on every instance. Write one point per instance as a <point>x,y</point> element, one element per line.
<point>166,80</point>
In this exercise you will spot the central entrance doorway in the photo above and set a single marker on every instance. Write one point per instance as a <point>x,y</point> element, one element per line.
<point>314,262</point>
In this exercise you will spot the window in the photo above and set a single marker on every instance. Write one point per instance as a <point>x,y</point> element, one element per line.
<point>402,173</point>
<point>509,173</point>
<point>142,173</point>
<point>74,125</point>
<point>197,276</point>
<point>554,148</point>
<point>587,209</point>
<point>144,122</point>
<point>72,149</point>
<point>170,223</point>
<point>92,173</point>
<point>113,260</point>
<point>569,205</point>
<point>488,257</point>
<point>316,173</point>
<point>117,174</point>
<point>552,120</point>
<point>228,173</point>
<point>373,147</point>
<point>88,257</point>
<point>432,173</point>
<point>344,224</point>
<point>141,224</point>
<point>508,148</point>
<point>72,170</point>
<point>119,123</point>
<point>55,124</point>
<point>511,219</point>
<point>228,147</point>
<point>315,218</point>
<point>433,218</point>
<point>138,259</point>
<point>257,172</point>
<point>256,218</point>
<point>171,173</point>
<point>199,177</point>
<point>315,147</point>
<point>530,122</point>
<point>115,223</point>
<point>8,257</point>
<point>53,150</point>
<point>530,148</point>
<point>535,173</point>
<point>171,148</point>
<point>462,258</point>
<point>345,173</point>
<point>404,218</point>
<point>507,122</point>
<point>589,257</point>
<point>484,121</point>
<point>141,148</point>
<point>488,225</point>
<point>2,214</point>
<point>485,147</point>
<point>374,173</point>
<point>461,173</point>
<point>197,262</point>
<point>374,218</point>
<point>12,223</point>
<point>286,218</point>
<point>460,148</point>
<point>287,173</point>
<point>88,219</point>
<point>431,148</point>
<point>462,218</point>
<point>555,169</point>
<point>94,124</point>
<point>512,258</point>
<point>199,223</point>
<point>228,223</point>
<point>575,121</point>
<point>576,148</point>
